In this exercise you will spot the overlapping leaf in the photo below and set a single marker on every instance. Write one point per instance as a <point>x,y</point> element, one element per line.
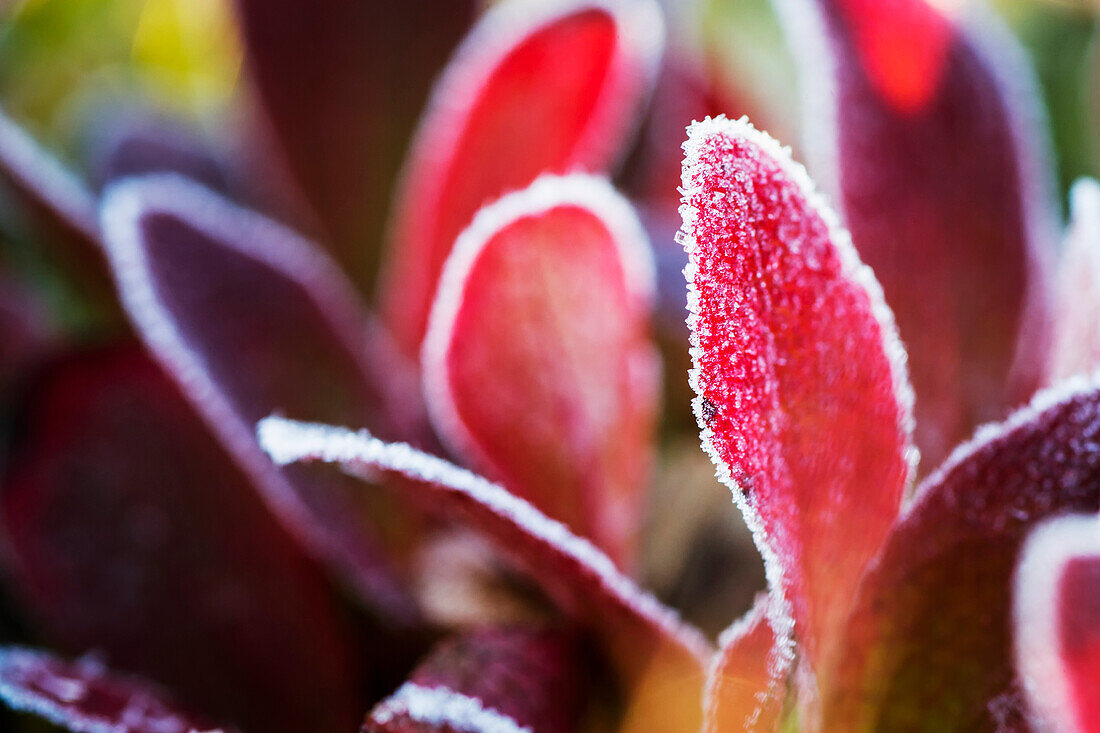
<point>659,658</point>
<point>536,86</point>
<point>342,82</point>
<point>927,132</point>
<point>1076,348</point>
<point>84,697</point>
<point>746,682</point>
<point>537,363</point>
<point>1057,623</point>
<point>928,646</point>
<point>249,320</point>
<point>802,394</point>
<point>490,679</point>
<point>128,529</point>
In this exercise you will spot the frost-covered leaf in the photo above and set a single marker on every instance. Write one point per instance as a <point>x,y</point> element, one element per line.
<point>1057,624</point>
<point>802,394</point>
<point>498,680</point>
<point>538,85</point>
<point>652,648</point>
<point>1076,347</point>
<point>82,696</point>
<point>342,82</point>
<point>249,320</point>
<point>128,529</point>
<point>928,646</point>
<point>746,682</point>
<point>537,363</point>
<point>926,131</point>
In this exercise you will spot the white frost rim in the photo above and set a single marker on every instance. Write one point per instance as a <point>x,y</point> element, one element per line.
<point>593,194</point>
<point>441,707</point>
<point>288,441</point>
<point>51,181</point>
<point>1048,549</point>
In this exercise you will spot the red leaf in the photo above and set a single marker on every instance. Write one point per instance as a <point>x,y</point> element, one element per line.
<point>492,679</point>
<point>1057,623</point>
<point>746,682</point>
<point>342,82</point>
<point>536,86</point>
<point>83,697</point>
<point>128,529</point>
<point>924,132</point>
<point>802,394</point>
<point>928,643</point>
<point>537,363</point>
<point>650,645</point>
<point>1076,327</point>
<point>249,320</point>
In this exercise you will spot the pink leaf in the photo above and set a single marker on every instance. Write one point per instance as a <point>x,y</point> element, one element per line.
<point>538,85</point>
<point>927,132</point>
<point>342,82</point>
<point>928,643</point>
<point>492,679</point>
<point>249,319</point>
<point>802,394</point>
<point>128,529</point>
<point>84,697</point>
<point>1077,324</point>
<point>746,682</point>
<point>1057,623</point>
<point>646,640</point>
<point>537,362</point>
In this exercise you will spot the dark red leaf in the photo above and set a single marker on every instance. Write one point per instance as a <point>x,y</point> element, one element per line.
<point>659,658</point>
<point>536,86</point>
<point>84,697</point>
<point>1057,623</point>
<point>746,682</point>
<point>128,529</point>
<point>342,82</point>
<point>928,645</point>
<point>1076,347</point>
<point>925,132</point>
<point>537,364</point>
<point>802,397</point>
<point>249,320</point>
<point>491,679</point>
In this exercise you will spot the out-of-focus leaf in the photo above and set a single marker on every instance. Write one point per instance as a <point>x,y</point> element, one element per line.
<point>537,363</point>
<point>491,679</point>
<point>803,399</point>
<point>135,142</point>
<point>84,697</point>
<point>659,658</point>
<point>249,320</point>
<point>928,646</point>
<point>1076,348</point>
<point>342,82</point>
<point>746,683</point>
<point>128,529</point>
<point>538,85</point>
<point>1057,624</point>
<point>927,131</point>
